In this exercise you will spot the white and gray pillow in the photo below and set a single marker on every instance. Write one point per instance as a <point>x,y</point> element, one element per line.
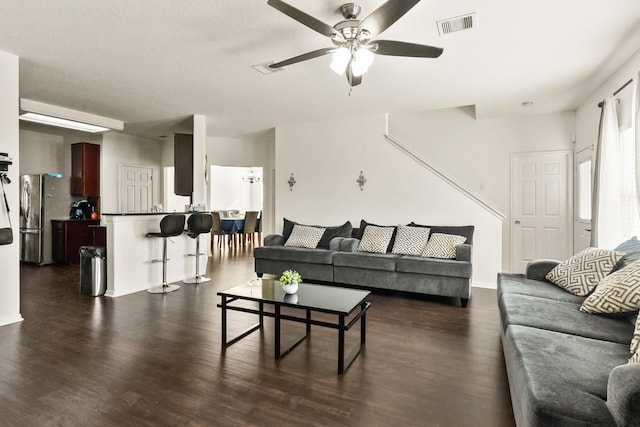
<point>635,343</point>
<point>619,292</point>
<point>410,240</point>
<point>304,237</point>
<point>375,239</point>
<point>442,245</point>
<point>582,272</point>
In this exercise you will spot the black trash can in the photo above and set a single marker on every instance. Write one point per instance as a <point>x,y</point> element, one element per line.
<point>93,270</point>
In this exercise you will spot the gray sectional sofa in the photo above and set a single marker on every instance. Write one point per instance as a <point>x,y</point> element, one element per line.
<point>565,367</point>
<point>341,263</point>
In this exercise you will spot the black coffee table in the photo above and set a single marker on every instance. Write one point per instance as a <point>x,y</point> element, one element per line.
<point>342,302</point>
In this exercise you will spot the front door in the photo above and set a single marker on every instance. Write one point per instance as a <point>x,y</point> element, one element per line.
<point>541,207</point>
<point>136,189</point>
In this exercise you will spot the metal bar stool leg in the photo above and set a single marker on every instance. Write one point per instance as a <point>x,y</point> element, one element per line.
<point>164,287</point>
<point>198,278</point>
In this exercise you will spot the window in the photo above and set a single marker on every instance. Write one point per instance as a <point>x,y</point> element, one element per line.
<point>584,190</point>
<point>630,220</point>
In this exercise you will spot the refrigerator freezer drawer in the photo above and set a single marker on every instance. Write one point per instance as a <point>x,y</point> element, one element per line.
<point>31,246</point>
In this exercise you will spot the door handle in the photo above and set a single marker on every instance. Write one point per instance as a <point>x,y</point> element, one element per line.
<point>30,231</point>
<point>587,229</point>
<point>517,222</point>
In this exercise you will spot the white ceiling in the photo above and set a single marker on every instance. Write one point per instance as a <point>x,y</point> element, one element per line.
<point>153,63</point>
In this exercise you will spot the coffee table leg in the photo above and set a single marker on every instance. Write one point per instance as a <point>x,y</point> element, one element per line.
<point>277,328</point>
<point>341,345</point>
<point>224,321</point>
<point>308,321</point>
<point>363,324</point>
<point>261,314</point>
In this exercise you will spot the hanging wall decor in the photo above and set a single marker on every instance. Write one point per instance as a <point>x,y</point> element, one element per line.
<point>361,181</point>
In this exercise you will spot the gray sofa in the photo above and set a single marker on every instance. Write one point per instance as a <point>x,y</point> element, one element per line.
<point>341,263</point>
<point>565,367</point>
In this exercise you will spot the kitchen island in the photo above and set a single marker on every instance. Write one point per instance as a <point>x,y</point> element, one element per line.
<point>130,255</point>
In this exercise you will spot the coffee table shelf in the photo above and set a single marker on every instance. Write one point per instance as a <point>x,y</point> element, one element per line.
<point>342,302</point>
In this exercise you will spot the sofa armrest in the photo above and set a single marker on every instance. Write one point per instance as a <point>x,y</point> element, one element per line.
<point>273,240</point>
<point>463,252</point>
<point>536,270</point>
<point>349,244</point>
<point>623,394</point>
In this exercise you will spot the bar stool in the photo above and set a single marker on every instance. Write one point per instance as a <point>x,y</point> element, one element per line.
<point>197,224</point>
<point>170,226</point>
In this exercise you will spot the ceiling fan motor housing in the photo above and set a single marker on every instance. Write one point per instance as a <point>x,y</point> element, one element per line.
<point>350,10</point>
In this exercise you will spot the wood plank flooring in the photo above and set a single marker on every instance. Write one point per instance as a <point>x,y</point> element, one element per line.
<point>148,360</point>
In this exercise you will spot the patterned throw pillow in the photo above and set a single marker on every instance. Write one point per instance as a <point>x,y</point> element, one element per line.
<point>582,272</point>
<point>619,292</point>
<point>635,358</point>
<point>442,245</point>
<point>410,240</point>
<point>376,239</point>
<point>304,237</point>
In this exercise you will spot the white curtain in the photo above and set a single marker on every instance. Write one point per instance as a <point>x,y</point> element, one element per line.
<point>605,221</point>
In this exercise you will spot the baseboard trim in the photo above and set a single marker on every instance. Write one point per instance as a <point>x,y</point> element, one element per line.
<point>484,285</point>
<point>11,319</point>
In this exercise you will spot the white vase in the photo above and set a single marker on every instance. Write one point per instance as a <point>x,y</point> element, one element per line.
<point>290,289</point>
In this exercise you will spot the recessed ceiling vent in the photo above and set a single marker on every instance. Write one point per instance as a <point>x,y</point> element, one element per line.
<point>459,23</point>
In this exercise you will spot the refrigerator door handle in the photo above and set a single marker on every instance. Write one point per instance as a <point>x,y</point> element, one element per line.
<point>30,231</point>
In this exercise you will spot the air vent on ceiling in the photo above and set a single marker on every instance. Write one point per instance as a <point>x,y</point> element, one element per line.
<point>459,23</point>
<point>265,69</point>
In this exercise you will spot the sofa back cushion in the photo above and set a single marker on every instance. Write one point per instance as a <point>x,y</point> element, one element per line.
<point>460,230</point>
<point>343,230</point>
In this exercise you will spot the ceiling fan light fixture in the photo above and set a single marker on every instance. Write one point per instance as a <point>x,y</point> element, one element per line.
<point>362,60</point>
<point>341,58</point>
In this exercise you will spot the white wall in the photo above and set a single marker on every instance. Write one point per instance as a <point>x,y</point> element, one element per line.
<point>476,153</point>
<point>9,137</point>
<point>41,153</point>
<point>119,148</point>
<point>230,192</point>
<point>326,159</point>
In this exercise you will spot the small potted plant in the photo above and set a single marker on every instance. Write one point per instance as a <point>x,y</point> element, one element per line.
<point>289,281</point>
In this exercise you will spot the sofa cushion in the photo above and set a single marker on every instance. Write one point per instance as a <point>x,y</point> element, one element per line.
<point>635,341</point>
<point>460,230</point>
<point>631,250</point>
<point>304,237</point>
<point>560,316</point>
<point>343,230</point>
<point>363,226</point>
<point>519,284</point>
<point>619,292</point>
<point>386,262</point>
<point>582,272</point>
<point>376,239</point>
<point>410,240</point>
<point>442,245</point>
<point>558,378</point>
<point>284,253</point>
<point>433,266</point>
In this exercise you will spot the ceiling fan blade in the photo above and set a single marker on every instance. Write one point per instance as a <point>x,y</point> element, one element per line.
<point>384,16</point>
<point>303,57</point>
<point>394,48</point>
<point>302,17</point>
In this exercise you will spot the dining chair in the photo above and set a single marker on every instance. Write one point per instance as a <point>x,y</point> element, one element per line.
<point>250,220</point>
<point>216,229</point>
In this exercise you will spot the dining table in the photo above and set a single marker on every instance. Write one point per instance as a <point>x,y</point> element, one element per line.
<point>233,227</point>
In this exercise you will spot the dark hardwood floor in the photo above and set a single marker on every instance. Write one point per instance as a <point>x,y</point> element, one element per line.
<point>146,360</point>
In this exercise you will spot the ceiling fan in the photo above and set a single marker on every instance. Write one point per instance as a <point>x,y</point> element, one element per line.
<point>354,47</point>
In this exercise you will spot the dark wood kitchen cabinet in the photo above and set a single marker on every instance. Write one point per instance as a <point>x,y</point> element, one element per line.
<point>69,235</point>
<point>183,164</point>
<point>85,169</point>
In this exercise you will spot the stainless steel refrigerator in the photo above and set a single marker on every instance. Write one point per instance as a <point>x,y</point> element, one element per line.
<point>42,198</point>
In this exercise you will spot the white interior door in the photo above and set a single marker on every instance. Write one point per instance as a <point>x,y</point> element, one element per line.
<point>136,189</point>
<point>541,207</point>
